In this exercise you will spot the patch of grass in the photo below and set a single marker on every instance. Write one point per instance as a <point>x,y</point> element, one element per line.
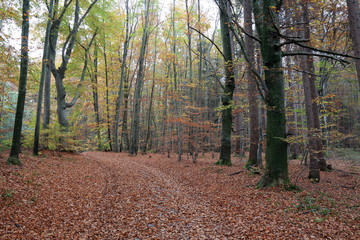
<point>319,219</point>
<point>312,204</point>
<point>292,187</point>
<point>29,181</point>
<point>17,174</point>
<point>8,193</point>
<point>13,161</point>
<point>308,203</point>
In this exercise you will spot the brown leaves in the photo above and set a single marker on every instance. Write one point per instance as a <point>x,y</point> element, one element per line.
<point>115,196</point>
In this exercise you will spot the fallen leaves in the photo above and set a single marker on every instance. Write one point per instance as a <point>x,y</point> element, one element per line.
<point>98,195</point>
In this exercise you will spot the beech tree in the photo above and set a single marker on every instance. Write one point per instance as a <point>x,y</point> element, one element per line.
<point>135,127</point>
<point>122,77</point>
<point>354,23</point>
<point>16,142</point>
<point>252,89</point>
<point>227,96</point>
<point>266,15</point>
<point>67,48</point>
<point>315,146</point>
<point>45,76</point>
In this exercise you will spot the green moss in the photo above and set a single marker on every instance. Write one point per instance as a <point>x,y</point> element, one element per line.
<point>13,161</point>
<point>223,163</point>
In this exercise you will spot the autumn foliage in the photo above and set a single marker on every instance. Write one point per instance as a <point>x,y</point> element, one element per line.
<point>98,195</point>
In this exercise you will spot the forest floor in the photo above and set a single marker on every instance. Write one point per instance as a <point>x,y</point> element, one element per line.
<point>103,195</point>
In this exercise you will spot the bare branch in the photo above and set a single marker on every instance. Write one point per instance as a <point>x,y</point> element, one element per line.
<point>260,83</point>
<point>222,54</point>
<point>77,94</point>
<point>342,61</point>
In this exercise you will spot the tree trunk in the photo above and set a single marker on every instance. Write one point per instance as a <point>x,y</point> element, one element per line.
<point>192,92</point>
<point>16,141</point>
<point>252,89</point>
<point>122,77</point>
<point>59,73</point>
<point>292,86</point>
<point>176,92</point>
<point>354,22</point>
<point>148,131</point>
<point>44,74</point>
<point>227,97</point>
<point>125,143</point>
<point>96,96</point>
<point>276,169</point>
<point>312,110</point>
<point>135,128</point>
<point>107,97</point>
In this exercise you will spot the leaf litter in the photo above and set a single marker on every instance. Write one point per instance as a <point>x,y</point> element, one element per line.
<point>104,195</point>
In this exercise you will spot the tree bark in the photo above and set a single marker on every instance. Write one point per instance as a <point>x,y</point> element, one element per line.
<point>122,77</point>
<point>176,99</point>
<point>107,95</point>
<point>59,73</point>
<point>266,14</point>
<point>135,127</point>
<point>45,72</point>
<point>96,96</point>
<point>16,141</point>
<point>148,131</point>
<point>252,89</point>
<point>227,97</point>
<point>312,110</point>
<point>354,22</point>
<point>125,143</point>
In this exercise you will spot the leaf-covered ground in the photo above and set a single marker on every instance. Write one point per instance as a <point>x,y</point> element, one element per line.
<point>98,195</point>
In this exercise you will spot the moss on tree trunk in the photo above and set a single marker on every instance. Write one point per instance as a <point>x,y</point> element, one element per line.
<point>266,18</point>
<point>227,98</point>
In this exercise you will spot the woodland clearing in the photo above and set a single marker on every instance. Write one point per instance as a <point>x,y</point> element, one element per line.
<point>105,195</point>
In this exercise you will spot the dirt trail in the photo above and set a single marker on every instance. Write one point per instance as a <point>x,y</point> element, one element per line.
<point>156,204</point>
<point>104,195</point>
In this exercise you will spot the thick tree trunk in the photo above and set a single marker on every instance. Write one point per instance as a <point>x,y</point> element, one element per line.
<point>45,72</point>
<point>122,77</point>
<point>135,127</point>
<point>276,169</point>
<point>312,110</point>
<point>252,89</point>
<point>16,141</point>
<point>227,97</point>
<point>59,73</point>
<point>354,22</point>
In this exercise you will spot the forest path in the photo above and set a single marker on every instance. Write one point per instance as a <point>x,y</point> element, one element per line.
<point>105,195</point>
<point>141,195</point>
